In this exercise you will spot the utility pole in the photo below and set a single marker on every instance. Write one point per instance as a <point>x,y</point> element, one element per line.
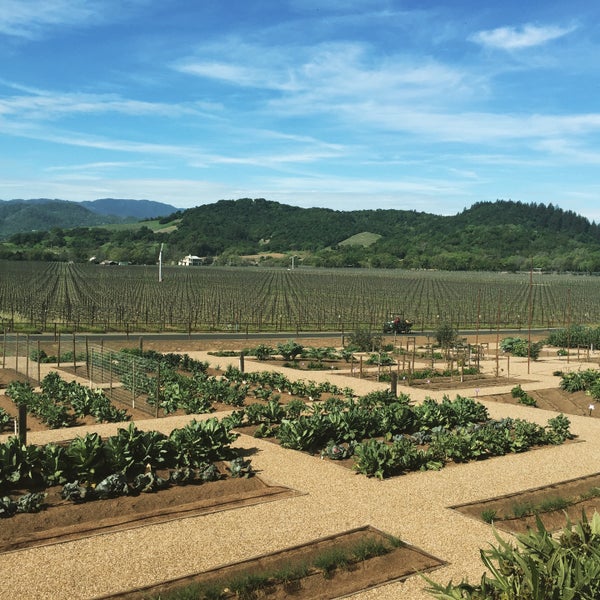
<point>160,264</point>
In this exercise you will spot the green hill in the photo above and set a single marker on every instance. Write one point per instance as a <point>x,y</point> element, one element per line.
<point>501,235</point>
<point>43,214</point>
<point>361,239</point>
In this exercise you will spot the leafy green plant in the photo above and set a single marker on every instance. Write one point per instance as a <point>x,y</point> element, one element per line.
<point>201,441</point>
<point>522,396</point>
<point>539,566</point>
<point>559,429</point>
<point>488,515</point>
<point>86,457</point>
<point>148,482</point>
<point>364,340</point>
<point>307,432</point>
<point>19,463</point>
<point>330,561</point>
<point>6,420</point>
<point>290,350</point>
<point>382,359</point>
<point>335,451</point>
<point>521,347</point>
<point>240,467</point>
<point>53,464</point>
<point>373,458</point>
<point>263,352</point>
<point>112,486</point>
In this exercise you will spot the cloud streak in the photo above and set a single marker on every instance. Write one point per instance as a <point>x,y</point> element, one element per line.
<point>517,38</point>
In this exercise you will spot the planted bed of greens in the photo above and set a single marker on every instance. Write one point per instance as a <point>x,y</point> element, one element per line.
<point>386,435</point>
<point>128,463</point>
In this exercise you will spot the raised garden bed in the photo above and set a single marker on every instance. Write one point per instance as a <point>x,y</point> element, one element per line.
<point>518,512</point>
<point>314,571</point>
<point>62,520</point>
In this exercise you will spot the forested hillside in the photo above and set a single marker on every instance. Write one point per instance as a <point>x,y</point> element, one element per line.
<point>501,235</point>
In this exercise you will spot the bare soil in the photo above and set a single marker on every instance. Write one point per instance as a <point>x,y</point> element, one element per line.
<point>504,506</point>
<point>61,520</point>
<point>554,399</point>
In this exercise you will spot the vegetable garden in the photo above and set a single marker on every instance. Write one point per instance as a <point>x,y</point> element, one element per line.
<point>379,435</point>
<point>39,297</point>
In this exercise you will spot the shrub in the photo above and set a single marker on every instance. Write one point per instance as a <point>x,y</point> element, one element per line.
<point>364,340</point>
<point>539,566</point>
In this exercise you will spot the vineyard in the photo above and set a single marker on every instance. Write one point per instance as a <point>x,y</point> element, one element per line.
<point>38,297</point>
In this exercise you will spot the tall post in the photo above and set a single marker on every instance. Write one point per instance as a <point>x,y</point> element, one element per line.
<point>23,424</point>
<point>568,324</point>
<point>498,337</point>
<point>478,317</point>
<point>133,382</point>
<point>27,356</point>
<point>530,318</point>
<point>87,356</point>
<point>158,394</point>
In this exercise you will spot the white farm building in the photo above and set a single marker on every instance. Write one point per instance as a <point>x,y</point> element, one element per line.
<point>190,261</point>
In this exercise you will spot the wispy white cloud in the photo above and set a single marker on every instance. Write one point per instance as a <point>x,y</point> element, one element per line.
<point>236,75</point>
<point>515,38</point>
<point>570,151</point>
<point>95,166</point>
<point>304,79</point>
<point>475,127</point>
<point>31,19</point>
<point>42,104</point>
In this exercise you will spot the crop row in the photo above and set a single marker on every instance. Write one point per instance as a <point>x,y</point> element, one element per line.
<point>90,467</point>
<point>94,296</point>
<point>387,436</point>
<point>61,403</point>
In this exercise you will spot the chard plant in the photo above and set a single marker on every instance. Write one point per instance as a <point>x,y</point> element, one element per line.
<point>373,459</point>
<point>201,441</point>
<point>86,457</point>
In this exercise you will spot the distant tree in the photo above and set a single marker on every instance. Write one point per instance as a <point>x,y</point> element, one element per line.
<point>445,335</point>
<point>364,340</point>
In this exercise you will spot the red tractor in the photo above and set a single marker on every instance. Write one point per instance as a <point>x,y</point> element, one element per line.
<point>397,325</point>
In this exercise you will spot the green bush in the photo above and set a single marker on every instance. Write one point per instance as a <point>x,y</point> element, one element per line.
<point>364,340</point>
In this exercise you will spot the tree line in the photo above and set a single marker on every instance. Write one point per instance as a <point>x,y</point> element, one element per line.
<point>499,236</point>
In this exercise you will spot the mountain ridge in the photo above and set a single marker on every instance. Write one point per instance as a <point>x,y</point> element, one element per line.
<point>20,215</point>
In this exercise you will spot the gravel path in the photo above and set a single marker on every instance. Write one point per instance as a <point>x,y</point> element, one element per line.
<point>413,507</point>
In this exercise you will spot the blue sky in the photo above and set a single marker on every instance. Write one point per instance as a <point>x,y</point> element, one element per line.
<point>346,104</point>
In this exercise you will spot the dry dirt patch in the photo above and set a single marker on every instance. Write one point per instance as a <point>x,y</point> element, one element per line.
<point>554,399</point>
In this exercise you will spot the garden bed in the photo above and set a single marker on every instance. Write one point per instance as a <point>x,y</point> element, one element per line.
<point>516,513</point>
<point>302,572</point>
<point>554,399</point>
<point>63,520</point>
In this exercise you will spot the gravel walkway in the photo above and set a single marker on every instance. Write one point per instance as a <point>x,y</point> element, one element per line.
<point>413,507</point>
